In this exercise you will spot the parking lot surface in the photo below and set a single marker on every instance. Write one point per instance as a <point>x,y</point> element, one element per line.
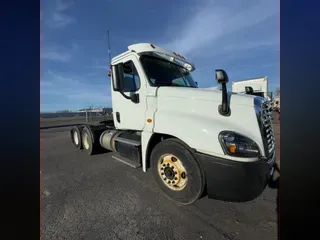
<point>97,197</point>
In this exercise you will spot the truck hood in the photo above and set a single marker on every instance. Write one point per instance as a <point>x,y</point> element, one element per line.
<point>204,94</point>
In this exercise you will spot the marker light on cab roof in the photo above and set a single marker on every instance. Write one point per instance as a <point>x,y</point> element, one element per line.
<point>185,65</point>
<point>188,67</point>
<point>178,55</point>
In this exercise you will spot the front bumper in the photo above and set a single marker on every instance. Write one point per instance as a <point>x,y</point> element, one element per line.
<point>235,181</point>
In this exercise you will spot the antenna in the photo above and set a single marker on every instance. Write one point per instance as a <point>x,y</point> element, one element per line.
<point>109,47</point>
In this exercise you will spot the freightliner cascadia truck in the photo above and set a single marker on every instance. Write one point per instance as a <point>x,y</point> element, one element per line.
<point>191,139</point>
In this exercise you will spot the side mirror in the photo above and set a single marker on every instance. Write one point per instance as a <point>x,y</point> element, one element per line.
<point>249,90</point>
<point>221,76</point>
<point>117,77</point>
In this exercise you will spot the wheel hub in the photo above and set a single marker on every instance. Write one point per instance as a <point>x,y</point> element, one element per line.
<point>172,172</point>
<point>169,173</point>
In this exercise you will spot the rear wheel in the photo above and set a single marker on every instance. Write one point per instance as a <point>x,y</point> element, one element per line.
<point>87,141</point>
<point>76,137</point>
<point>177,172</point>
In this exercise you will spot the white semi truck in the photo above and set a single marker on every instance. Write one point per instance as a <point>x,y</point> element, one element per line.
<point>192,139</point>
<point>254,86</point>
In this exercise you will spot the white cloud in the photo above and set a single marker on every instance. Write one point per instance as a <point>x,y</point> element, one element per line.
<point>101,67</point>
<point>58,18</point>
<point>67,91</point>
<point>102,64</point>
<point>211,26</point>
<point>61,20</point>
<point>56,56</point>
<point>75,47</point>
<point>62,6</point>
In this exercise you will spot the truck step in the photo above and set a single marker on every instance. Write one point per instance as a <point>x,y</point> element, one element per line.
<point>126,161</point>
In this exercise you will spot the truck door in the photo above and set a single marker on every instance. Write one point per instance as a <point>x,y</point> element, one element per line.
<point>126,113</point>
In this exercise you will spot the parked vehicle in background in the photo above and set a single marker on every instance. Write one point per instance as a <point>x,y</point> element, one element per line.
<point>253,86</point>
<point>276,103</point>
<point>279,109</point>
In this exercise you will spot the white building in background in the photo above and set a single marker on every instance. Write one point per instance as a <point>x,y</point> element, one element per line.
<point>93,110</point>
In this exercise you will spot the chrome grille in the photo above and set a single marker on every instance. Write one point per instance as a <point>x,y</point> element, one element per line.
<point>264,115</point>
<point>267,128</point>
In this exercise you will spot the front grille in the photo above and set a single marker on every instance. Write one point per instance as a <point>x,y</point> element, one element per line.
<point>264,115</point>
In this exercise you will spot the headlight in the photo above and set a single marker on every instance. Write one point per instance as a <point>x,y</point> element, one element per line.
<point>238,145</point>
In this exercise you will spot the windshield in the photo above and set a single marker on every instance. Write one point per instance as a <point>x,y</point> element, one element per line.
<point>164,73</point>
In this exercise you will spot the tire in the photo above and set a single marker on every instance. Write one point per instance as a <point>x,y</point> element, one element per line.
<point>87,141</point>
<point>189,180</point>
<point>75,134</point>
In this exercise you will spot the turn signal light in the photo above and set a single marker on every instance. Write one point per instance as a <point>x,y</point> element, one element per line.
<point>232,148</point>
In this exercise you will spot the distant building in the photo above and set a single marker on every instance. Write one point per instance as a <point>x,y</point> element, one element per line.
<point>92,110</point>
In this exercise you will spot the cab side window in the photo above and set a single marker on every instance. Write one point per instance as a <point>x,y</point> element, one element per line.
<point>131,77</point>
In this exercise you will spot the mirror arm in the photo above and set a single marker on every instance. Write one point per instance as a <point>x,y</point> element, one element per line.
<point>225,108</point>
<point>125,96</point>
<point>133,99</point>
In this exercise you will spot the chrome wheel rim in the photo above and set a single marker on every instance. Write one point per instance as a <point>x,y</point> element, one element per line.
<point>75,137</point>
<point>85,139</point>
<point>172,172</point>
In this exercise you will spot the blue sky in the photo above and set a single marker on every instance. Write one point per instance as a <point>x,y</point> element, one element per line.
<point>241,37</point>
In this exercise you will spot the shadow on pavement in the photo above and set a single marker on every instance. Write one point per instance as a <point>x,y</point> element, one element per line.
<point>275,184</point>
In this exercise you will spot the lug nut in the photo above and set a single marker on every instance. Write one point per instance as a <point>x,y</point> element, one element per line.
<point>169,182</point>
<point>162,173</point>
<point>162,168</point>
<point>172,167</point>
<point>173,182</point>
<point>165,179</point>
<point>175,178</point>
<point>164,165</point>
<point>183,175</point>
<point>168,164</point>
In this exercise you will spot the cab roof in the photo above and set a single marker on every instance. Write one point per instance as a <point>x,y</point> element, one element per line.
<point>147,48</point>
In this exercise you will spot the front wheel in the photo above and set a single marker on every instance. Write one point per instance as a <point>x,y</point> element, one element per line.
<point>177,172</point>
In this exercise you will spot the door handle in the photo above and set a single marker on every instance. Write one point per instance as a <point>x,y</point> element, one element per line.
<point>118,117</point>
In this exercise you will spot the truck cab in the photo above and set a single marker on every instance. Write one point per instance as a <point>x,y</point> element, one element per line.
<point>192,139</point>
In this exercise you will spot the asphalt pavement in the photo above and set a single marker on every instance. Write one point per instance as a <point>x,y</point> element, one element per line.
<point>97,197</point>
